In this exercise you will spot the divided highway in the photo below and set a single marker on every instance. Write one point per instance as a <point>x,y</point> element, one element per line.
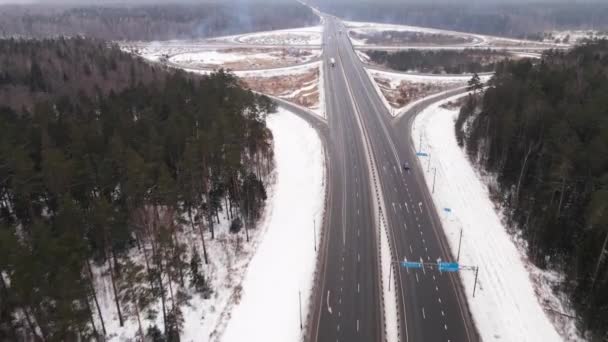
<point>348,304</point>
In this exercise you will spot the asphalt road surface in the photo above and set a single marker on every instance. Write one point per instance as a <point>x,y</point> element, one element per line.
<point>348,303</point>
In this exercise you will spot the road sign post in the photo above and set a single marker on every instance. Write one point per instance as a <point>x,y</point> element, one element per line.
<point>448,266</point>
<point>411,264</point>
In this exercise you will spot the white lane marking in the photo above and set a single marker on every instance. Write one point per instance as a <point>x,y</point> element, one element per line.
<point>358,213</point>
<point>412,252</point>
<point>404,226</point>
<point>338,327</point>
<point>439,299</point>
<point>445,326</point>
<point>422,262</point>
<point>442,313</point>
<point>357,325</point>
<point>358,288</point>
<point>358,257</point>
<point>406,208</point>
<point>433,277</point>
<point>357,194</point>
<point>436,288</point>
<point>423,314</point>
<point>417,280</point>
<point>420,206</point>
<point>328,307</point>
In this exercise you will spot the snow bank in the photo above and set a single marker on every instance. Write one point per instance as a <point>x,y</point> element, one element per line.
<point>283,267</point>
<point>506,305</point>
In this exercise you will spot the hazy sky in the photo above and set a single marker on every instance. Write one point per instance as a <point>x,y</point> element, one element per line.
<point>90,2</point>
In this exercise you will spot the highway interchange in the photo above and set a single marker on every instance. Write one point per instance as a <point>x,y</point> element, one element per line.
<point>370,193</point>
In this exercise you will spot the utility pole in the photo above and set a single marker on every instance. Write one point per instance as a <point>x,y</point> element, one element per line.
<point>459,241</point>
<point>314,232</point>
<point>434,176</point>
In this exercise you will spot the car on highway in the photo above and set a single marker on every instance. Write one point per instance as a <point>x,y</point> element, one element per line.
<point>406,166</point>
<point>332,61</point>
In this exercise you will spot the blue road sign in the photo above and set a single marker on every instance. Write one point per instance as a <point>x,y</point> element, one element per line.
<point>411,264</point>
<point>422,154</point>
<point>448,267</point>
<point>447,210</point>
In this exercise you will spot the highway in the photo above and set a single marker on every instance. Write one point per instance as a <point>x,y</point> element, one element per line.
<point>364,138</point>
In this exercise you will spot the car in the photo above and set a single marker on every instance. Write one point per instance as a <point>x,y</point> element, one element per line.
<point>406,166</point>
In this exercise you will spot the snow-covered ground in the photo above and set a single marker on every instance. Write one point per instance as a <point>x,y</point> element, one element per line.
<point>295,36</point>
<point>282,269</point>
<point>368,27</point>
<point>573,36</point>
<point>476,40</point>
<point>242,59</point>
<point>265,273</point>
<point>154,50</point>
<point>511,292</point>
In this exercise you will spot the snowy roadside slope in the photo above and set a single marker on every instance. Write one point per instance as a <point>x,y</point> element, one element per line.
<point>285,261</point>
<point>506,306</point>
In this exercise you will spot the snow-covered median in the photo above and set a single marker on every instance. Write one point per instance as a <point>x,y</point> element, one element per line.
<point>282,269</point>
<point>507,304</point>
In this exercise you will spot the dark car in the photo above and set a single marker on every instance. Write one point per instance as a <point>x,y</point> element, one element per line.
<point>406,166</point>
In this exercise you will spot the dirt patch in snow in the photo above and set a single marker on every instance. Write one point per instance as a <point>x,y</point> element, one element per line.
<point>301,88</point>
<point>245,58</point>
<point>406,91</point>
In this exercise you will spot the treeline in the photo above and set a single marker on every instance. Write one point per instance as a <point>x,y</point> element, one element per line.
<point>152,22</point>
<point>439,61</point>
<point>542,129</point>
<point>42,70</point>
<point>118,182</point>
<point>515,19</point>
